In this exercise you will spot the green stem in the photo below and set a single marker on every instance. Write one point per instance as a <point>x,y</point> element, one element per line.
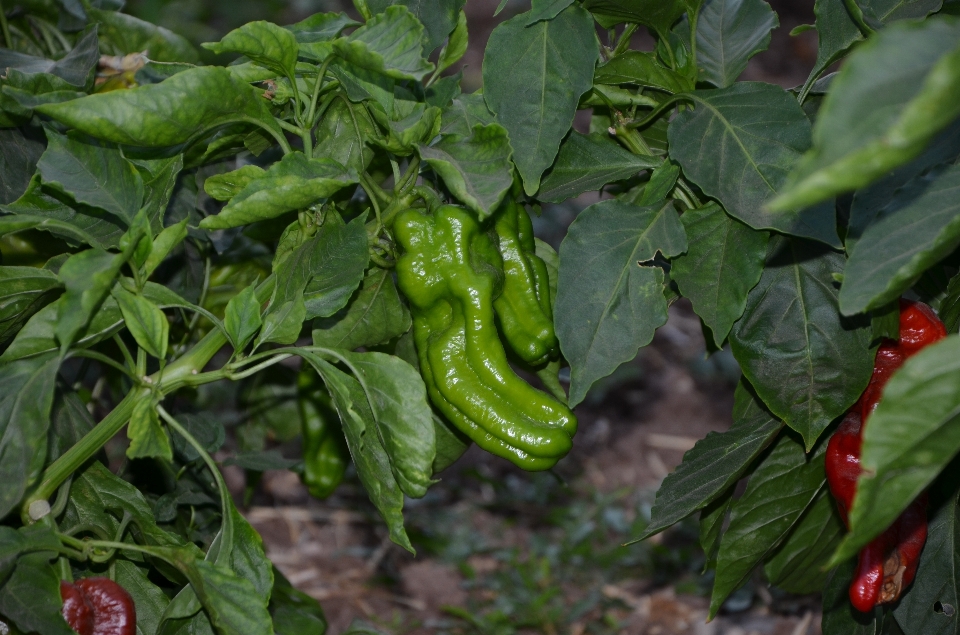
<point>410,176</point>
<point>127,357</point>
<point>693,45</point>
<point>666,105</point>
<point>7,41</point>
<point>624,40</point>
<point>278,136</point>
<point>103,359</point>
<point>632,139</point>
<point>317,87</point>
<point>289,127</point>
<point>857,14</point>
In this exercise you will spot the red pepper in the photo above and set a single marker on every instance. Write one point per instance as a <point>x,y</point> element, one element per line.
<point>98,606</point>
<point>888,564</point>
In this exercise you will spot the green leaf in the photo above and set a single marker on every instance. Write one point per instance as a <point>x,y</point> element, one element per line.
<point>588,162</point>
<point>642,69</point>
<point>712,519</point>
<point>373,316</point>
<point>160,177</point>
<point>294,182</point>
<point>76,67</point>
<point>923,609</point>
<point>456,46</point>
<point>87,277</point>
<point>283,322</point>
<point>247,558</point>
<point>836,33</point>
<point>756,132</point>
<point>31,597</point>
<point>242,318</point>
<point>439,17</point>
<point>723,262</point>
<point>404,421</point>
<point>660,14</point>
<point>294,612</point>
<point>476,169</point>
<point>342,141</point>
<point>729,33</point>
<point>663,179</point>
<point>463,114</point>
<point>147,323</point>
<point>912,436</point>
<point>390,43</point>
<point>780,489</point>
<point>533,78</point>
<point>805,361</point>
<point>176,111</point>
<point>231,602</point>
<point>609,298</point>
<point>797,566</point>
<point>19,153</point>
<point>94,175</point>
<point>149,599</point>
<point>25,404</point>
<point>127,34</point>
<point>405,131</point>
<point>165,242</point>
<point>264,43</point>
<point>919,227</point>
<point>69,423</point>
<point>839,616</point>
<point>23,291</point>
<point>224,187</point>
<point>369,456</point>
<point>715,463</point>
<point>147,436</point>
<point>38,335</point>
<point>340,257</point>
<point>321,27</point>
<point>886,104</point>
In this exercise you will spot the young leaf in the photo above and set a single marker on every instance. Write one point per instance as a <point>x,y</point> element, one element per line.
<point>533,78</point>
<point>723,262</point>
<point>911,438</point>
<point>919,227</point>
<point>888,101</point>
<point>609,298</point>
<point>369,456</point>
<point>87,277</point>
<point>476,169</point>
<point>242,318</point>
<point>781,488</point>
<point>663,179</point>
<point>147,436</point>
<point>224,187</point>
<point>389,43</point>
<point>264,43</point>
<point>729,33</point>
<point>159,180</point>
<point>805,361</point>
<point>25,403</point>
<point>374,315</point>
<point>756,132</point>
<point>147,323</point>
<point>175,111</point>
<point>283,322</point>
<point>715,463</point>
<point>456,46</point>
<point>588,162</point>
<point>31,597</point>
<point>294,182</point>
<point>165,242</point>
<point>643,69</point>
<point>19,153</point>
<point>92,174</point>
<point>798,565</point>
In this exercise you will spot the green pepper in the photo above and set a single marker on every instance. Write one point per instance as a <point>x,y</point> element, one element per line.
<point>325,452</point>
<point>451,271</point>
<point>523,308</point>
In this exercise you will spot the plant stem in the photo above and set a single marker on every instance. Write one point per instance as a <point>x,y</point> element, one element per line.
<point>7,42</point>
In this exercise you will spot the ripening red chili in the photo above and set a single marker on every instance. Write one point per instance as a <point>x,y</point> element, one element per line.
<point>98,606</point>
<point>888,564</point>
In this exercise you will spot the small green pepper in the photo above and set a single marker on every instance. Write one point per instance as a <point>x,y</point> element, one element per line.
<point>325,452</point>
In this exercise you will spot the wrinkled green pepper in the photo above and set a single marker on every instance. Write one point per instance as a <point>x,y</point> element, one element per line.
<point>523,308</point>
<point>325,452</point>
<point>450,271</point>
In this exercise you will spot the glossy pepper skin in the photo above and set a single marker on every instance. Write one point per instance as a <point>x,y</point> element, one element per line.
<point>450,271</point>
<point>888,564</point>
<point>98,606</point>
<point>325,452</point>
<point>524,307</point>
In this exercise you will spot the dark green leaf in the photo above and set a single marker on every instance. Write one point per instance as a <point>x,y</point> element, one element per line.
<point>729,33</point>
<point>147,436</point>
<point>439,17</point>
<point>950,306</point>
<point>643,69</point>
<point>25,404</point>
<point>321,27</point>
<point>389,43</point>
<point>778,492</point>
<point>339,258</point>
<point>94,175</point>
<point>712,519</point>
<point>476,168</point>
<point>149,599</point>
<point>23,291</point>
<point>38,335</point>
<point>609,298</point>
<point>662,181</point>
<point>292,183</point>
<point>723,262</point>
<point>588,162</point>
<point>127,34</point>
<point>283,322</point>
<point>374,315</point>
<point>918,228</point>
<point>264,43</point>
<point>75,67</point>
<point>87,278</point>
<point>175,111</point>
<point>165,242</point>
<point>339,140</point>
<point>836,33</point>
<point>463,114</point>
<point>231,602</point>
<point>159,180</point>
<point>70,422</point>
<point>533,78</point>
<point>294,612</point>
<point>839,616</point>
<point>805,361</point>
<point>31,597</point>
<point>660,14</point>
<point>797,566</point>
<point>886,104</point>
<point>456,46</point>
<point>912,436</point>
<point>715,463</point>
<point>242,318</point>
<point>19,153</point>
<point>756,133</point>
<point>147,323</point>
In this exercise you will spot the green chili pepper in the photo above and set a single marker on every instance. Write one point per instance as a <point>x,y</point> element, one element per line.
<point>450,271</point>
<point>325,452</point>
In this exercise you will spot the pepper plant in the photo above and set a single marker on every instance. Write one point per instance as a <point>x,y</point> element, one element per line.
<point>328,238</point>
